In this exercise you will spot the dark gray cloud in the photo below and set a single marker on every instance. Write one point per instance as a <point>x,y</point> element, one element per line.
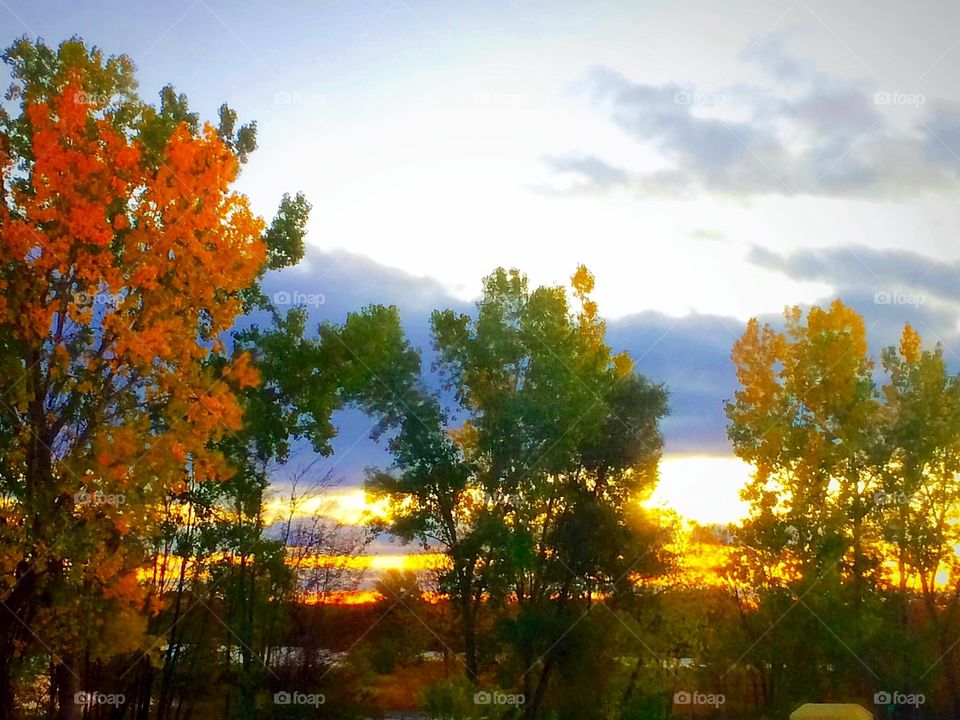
<point>888,287</point>
<point>868,268</point>
<point>943,136</point>
<point>332,284</point>
<point>690,355</point>
<point>810,134</point>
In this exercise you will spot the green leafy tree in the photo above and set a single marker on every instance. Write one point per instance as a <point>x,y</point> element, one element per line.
<point>919,499</point>
<point>532,497</point>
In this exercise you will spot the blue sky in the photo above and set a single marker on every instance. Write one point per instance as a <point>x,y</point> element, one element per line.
<point>709,161</point>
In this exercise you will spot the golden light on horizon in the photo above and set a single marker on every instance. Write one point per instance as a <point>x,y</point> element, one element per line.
<point>699,488</point>
<point>344,597</point>
<point>348,507</point>
<point>702,488</point>
<point>416,562</point>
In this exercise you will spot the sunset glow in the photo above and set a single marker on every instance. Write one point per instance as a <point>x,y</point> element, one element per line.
<point>702,488</point>
<point>416,562</point>
<point>346,506</point>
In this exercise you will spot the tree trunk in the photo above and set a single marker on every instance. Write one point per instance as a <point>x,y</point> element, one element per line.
<point>950,666</point>
<point>67,687</point>
<point>942,627</point>
<point>16,614</point>
<point>533,709</point>
<point>631,684</point>
<point>144,687</point>
<point>468,622</point>
<point>6,682</point>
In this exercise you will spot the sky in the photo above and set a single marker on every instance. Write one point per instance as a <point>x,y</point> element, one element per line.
<point>708,161</point>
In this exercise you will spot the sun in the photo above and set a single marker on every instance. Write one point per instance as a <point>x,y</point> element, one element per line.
<point>702,488</point>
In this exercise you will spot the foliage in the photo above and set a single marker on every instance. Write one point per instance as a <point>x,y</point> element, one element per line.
<point>853,505</point>
<point>531,497</point>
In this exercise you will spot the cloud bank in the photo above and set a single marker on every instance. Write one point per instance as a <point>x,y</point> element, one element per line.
<point>809,133</point>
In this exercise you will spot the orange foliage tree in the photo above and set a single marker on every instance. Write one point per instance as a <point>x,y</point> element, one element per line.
<point>854,510</point>
<point>125,256</point>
